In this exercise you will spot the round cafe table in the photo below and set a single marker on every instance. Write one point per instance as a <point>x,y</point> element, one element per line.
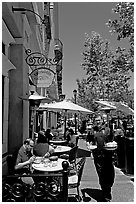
<point>49,166</point>
<point>62,149</point>
<point>58,142</point>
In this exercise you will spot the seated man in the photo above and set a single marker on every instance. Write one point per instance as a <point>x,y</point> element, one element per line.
<point>25,159</point>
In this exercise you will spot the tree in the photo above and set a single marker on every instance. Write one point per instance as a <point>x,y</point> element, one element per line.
<point>107,72</point>
<point>86,95</point>
<point>97,58</point>
<point>124,26</point>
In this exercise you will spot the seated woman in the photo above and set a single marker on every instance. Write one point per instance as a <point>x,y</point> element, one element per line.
<point>48,135</point>
<point>71,138</point>
<point>42,148</point>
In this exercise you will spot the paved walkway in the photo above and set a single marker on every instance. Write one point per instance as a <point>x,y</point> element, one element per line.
<point>122,190</point>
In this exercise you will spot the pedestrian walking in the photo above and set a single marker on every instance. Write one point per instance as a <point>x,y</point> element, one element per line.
<point>103,159</point>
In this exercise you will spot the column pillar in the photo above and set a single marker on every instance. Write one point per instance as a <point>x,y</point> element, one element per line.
<point>18,109</point>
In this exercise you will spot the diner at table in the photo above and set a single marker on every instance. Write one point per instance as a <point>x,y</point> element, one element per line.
<point>58,140</point>
<point>71,137</point>
<point>48,135</point>
<point>42,148</point>
<point>47,154</point>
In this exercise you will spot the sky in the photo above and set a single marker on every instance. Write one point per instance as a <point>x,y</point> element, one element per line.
<point>76,19</point>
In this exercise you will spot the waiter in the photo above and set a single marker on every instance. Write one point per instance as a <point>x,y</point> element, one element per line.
<point>103,159</point>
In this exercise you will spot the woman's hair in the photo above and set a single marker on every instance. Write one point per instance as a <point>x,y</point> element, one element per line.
<point>48,131</point>
<point>27,141</point>
<point>41,137</point>
<point>71,131</point>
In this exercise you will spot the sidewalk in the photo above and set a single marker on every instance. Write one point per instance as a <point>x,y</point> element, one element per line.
<point>122,190</point>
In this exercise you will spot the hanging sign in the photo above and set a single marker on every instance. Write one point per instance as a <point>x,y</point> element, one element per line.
<point>45,76</point>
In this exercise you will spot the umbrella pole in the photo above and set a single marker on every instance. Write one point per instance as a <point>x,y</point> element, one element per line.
<point>65,121</point>
<point>108,119</point>
<point>108,116</point>
<point>33,122</point>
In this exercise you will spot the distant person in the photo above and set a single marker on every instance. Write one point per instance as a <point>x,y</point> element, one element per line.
<point>83,127</point>
<point>52,131</point>
<point>69,123</point>
<point>42,148</point>
<point>71,138</point>
<point>48,135</point>
<point>90,137</point>
<point>35,137</point>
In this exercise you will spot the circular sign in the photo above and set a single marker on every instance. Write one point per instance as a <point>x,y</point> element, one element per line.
<point>44,76</point>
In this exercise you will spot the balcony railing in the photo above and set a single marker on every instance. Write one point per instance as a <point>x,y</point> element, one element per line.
<point>46,187</point>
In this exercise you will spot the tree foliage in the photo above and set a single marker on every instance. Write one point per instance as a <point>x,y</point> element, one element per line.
<point>124,25</point>
<point>107,72</point>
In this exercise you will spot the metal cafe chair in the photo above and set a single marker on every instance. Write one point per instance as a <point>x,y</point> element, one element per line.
<point>73,154</point>
<point>74,180</point>
<point>71,157</point>
<point>11,160</point>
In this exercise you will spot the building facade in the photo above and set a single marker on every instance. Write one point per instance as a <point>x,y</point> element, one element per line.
<point>23,31</point>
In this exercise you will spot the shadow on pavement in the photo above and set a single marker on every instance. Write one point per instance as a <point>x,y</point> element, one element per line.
<point>83,153</point>
<point>72,199</point>
<point>95,194</point>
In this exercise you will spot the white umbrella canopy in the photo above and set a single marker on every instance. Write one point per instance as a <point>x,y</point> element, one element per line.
<point>124,108</point>
<point>106,103</point>
<point>118,106</point>
<point>67,106</point>
<point>106,108</point>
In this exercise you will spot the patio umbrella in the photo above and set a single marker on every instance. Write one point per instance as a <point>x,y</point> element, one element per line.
<point>118,106</point>
<point>107,109</point>
<point>66,106</point>
<point>106,103</point>
<point>123,108</point>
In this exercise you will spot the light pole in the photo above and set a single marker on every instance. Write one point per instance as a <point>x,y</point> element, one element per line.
<point>75,95</point>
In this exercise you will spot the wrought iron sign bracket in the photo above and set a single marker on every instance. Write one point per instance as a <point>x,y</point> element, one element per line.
<point>39,59</point>
<point>41,67</point>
